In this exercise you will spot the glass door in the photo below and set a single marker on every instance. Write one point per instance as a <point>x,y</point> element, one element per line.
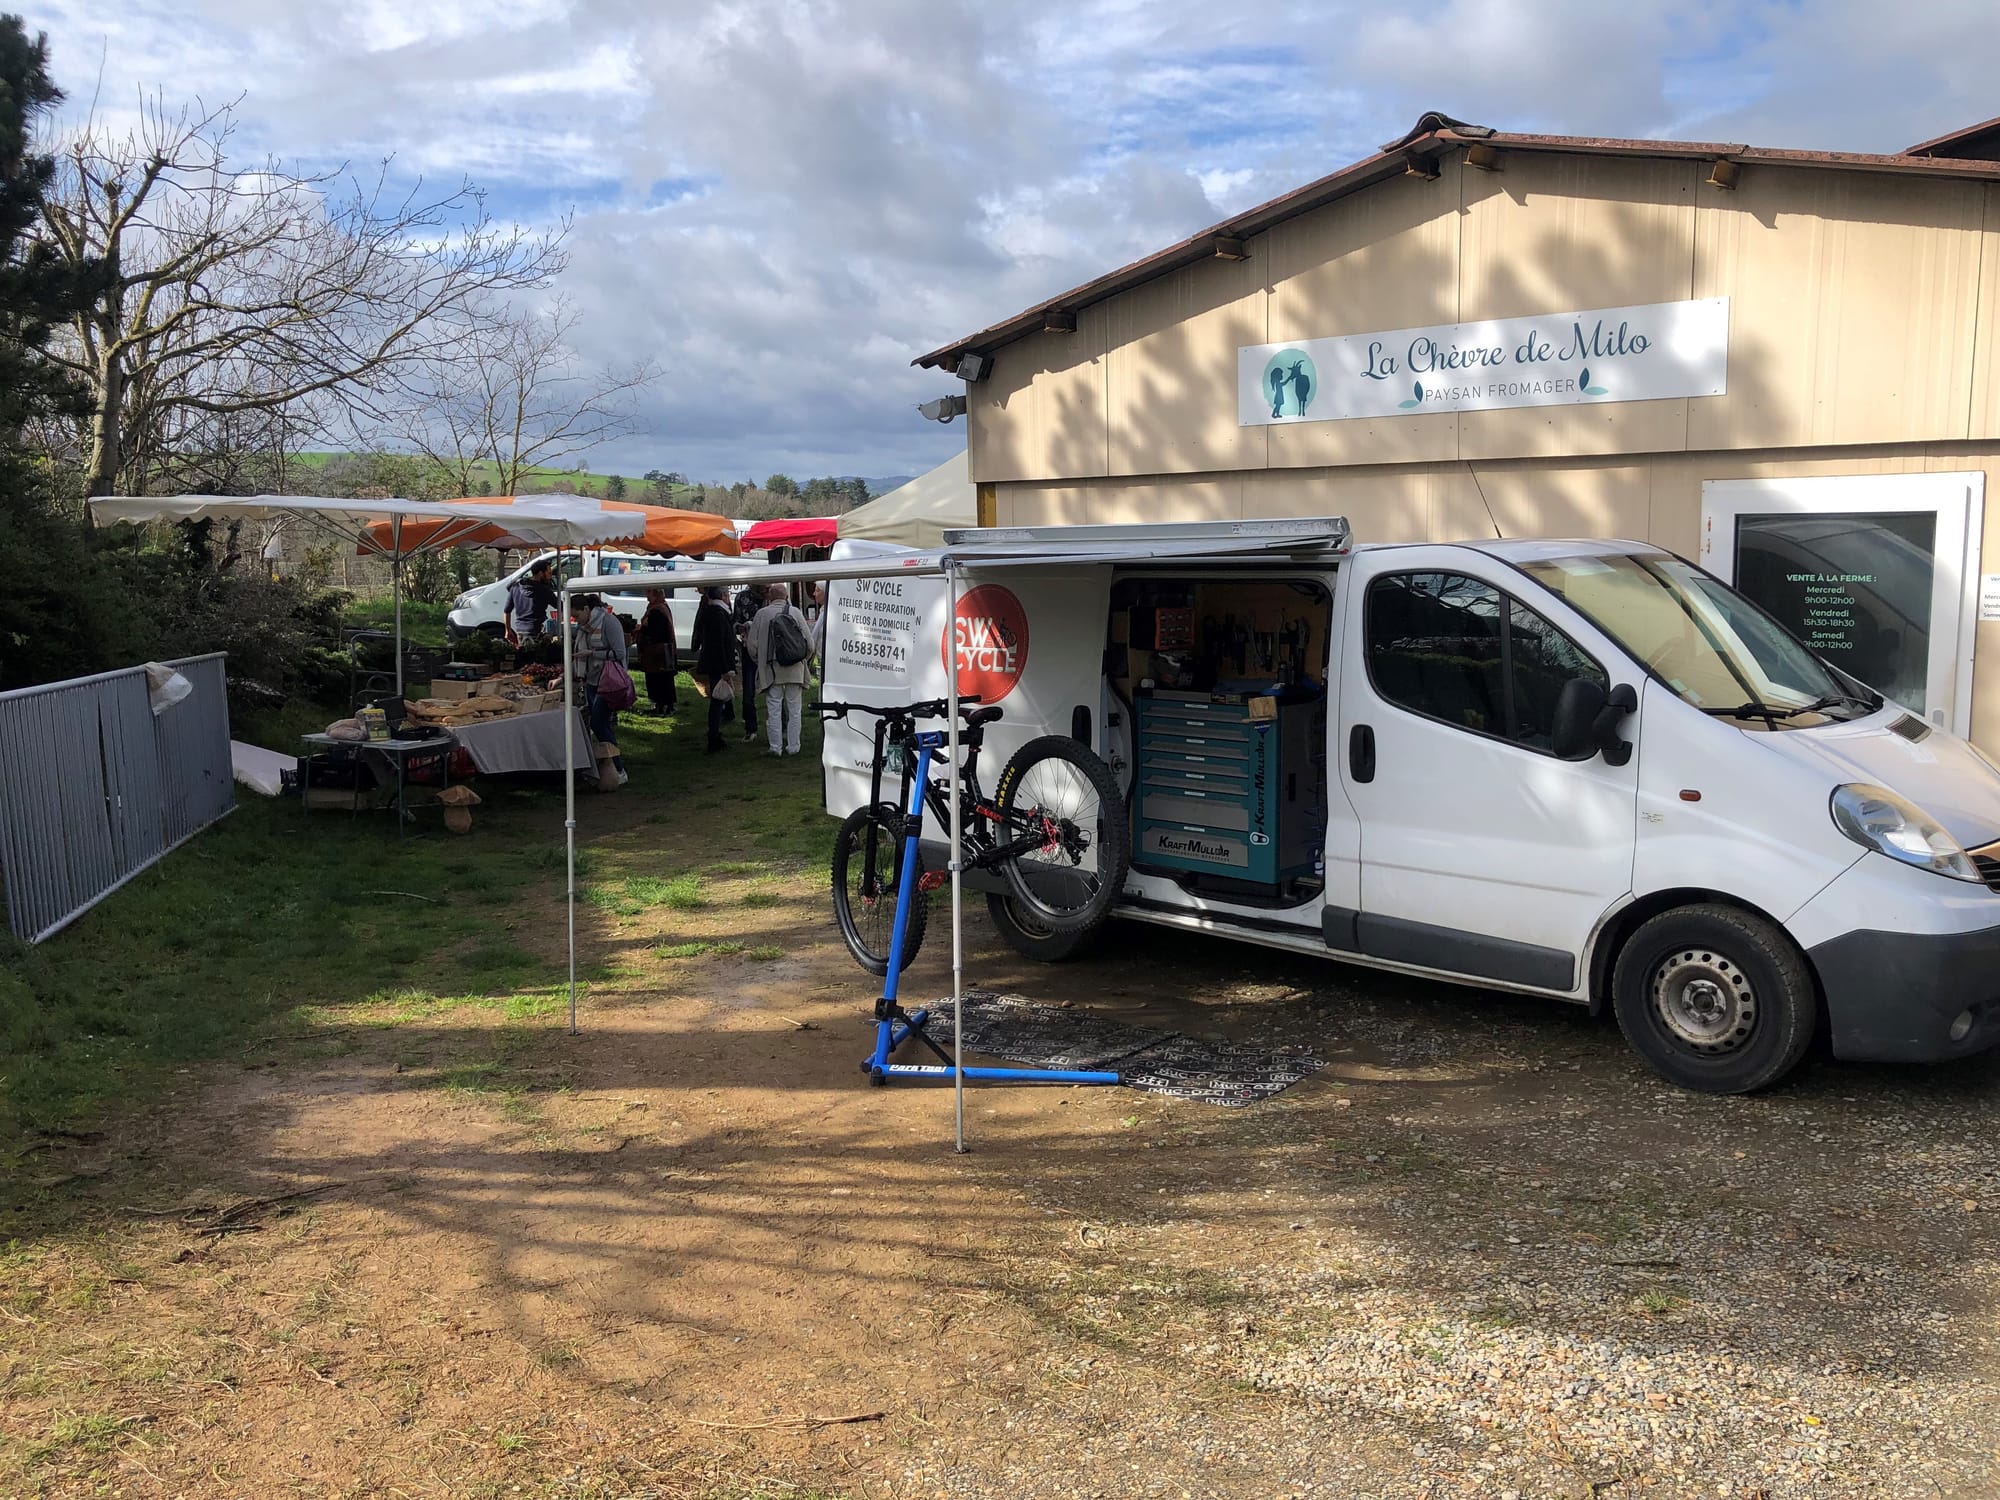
<point>1877,573</point>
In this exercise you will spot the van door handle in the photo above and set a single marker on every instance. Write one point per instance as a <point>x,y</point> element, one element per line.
<point>1361,752</point>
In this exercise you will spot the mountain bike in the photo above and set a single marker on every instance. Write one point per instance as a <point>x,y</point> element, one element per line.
<point>1055,829</point>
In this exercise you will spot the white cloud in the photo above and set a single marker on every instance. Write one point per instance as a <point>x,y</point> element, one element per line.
<point>782,201</point>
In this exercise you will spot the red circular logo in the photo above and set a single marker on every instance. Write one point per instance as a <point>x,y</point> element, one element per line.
<point>990,639</point>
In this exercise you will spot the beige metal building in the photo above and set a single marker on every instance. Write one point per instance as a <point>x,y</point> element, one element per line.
<point>1785,364</point>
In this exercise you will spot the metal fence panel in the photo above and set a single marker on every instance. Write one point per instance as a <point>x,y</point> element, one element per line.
<point>94,788</point>
<point>196,782</point>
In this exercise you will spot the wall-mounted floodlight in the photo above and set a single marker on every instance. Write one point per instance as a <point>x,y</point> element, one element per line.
<point>943,409</point>
<point>973,367</point>
<point>1482,156</point>
<point>1724,173</point>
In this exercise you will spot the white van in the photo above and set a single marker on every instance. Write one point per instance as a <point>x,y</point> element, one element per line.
<point>482,608</point>
<point>1581,769</point>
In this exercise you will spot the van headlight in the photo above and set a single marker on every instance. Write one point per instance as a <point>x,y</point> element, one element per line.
<point>1876,818</point>
<point>463,601</point>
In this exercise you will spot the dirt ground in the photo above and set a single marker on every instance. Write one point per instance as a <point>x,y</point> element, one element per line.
<point>690,1252</point>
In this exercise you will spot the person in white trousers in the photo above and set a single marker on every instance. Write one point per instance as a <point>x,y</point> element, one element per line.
<point>783,686</point>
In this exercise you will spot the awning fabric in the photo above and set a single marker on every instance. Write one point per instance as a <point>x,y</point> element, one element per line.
<point>642,528</point>
<point>792,531</point>
<point>919,513</point>
<point>406,527</point>
<point>396,529</point>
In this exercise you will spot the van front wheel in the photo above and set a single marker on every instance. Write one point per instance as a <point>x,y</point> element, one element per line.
<point>1715,999</point>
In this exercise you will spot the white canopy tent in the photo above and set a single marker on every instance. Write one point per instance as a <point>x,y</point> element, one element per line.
<point>919,513</point>
<point>963,552</point>
<point>551,521</point>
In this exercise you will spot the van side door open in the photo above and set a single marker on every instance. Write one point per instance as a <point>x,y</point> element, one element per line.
<point>1482,852</point>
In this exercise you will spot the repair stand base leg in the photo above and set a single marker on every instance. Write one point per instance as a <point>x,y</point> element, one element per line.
<point>895,1026</point>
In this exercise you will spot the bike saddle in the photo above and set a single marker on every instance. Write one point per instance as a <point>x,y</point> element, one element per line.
<point>981,716</point>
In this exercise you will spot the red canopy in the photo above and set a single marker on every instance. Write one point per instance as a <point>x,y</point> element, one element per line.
<point>792,531</point>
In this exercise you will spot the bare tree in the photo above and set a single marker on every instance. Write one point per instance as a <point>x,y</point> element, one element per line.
<point>237,291</point>
<point>516,397</point>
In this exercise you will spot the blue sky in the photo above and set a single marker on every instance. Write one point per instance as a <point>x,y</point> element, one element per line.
<point>783,202</point>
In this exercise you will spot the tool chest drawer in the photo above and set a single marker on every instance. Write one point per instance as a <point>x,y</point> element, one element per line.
<point>1216,794</point>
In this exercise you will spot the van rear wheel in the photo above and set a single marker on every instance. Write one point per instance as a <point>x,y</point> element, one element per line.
<point>1715,999</point>
<point>1029,938</point>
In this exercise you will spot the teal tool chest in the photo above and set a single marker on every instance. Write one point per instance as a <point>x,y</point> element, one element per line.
<point>1223,794</point>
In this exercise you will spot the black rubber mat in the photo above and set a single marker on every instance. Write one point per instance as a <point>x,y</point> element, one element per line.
<point>1162,1062</point>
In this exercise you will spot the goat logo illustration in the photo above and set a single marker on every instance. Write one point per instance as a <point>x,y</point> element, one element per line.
<point>1291,381</point>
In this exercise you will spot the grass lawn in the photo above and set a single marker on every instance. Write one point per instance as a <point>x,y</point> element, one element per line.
<point>270,924</point>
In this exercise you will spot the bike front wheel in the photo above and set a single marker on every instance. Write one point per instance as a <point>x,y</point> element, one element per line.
<point>1058,792</point>
<point>867,874</point>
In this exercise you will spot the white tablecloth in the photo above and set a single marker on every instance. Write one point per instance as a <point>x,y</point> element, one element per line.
<point>526,742</point>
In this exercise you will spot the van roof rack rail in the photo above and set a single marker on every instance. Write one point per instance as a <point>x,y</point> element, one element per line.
<point>1307,533</point>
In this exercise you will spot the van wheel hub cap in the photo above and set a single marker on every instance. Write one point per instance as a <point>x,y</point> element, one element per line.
<point>1704,1000</point>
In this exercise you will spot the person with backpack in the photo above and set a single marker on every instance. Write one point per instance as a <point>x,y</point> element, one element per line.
<point>600,665</point>
<point>781,641</point>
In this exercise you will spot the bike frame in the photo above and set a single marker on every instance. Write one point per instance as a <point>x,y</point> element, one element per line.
<point>975,813</point>
<point>893,1025</point>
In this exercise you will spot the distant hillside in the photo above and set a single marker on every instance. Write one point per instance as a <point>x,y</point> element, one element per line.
<point>636,488</point>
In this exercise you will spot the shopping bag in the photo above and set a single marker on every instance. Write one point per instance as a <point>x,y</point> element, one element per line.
<point>615,688</point>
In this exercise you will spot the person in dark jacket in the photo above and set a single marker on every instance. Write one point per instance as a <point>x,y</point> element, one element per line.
<point>714,646</point>
<point>748,602</point>
<point>659,652</point>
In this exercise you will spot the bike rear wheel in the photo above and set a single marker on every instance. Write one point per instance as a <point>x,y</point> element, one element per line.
<point>1057,788</point>
<point>864,907</point>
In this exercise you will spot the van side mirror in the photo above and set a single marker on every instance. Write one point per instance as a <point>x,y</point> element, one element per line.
<point>1573,734</point>
<point>1587,719</point>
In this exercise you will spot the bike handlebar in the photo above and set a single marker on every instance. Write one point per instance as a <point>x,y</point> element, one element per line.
<point>930,708</point>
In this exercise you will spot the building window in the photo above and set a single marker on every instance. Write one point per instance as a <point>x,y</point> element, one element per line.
<point>1456,649</point>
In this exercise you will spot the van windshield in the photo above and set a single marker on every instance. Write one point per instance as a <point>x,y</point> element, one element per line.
<point>1701,638</point>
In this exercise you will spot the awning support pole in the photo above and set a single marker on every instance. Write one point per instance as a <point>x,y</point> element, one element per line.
<point>957,860</point>
<point>396,588</point>
<point>569,796</point>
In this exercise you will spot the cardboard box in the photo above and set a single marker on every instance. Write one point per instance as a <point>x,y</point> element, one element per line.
<point>485,687</point>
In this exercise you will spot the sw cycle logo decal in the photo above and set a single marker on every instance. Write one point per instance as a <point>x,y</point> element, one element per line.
<point>990,639</point>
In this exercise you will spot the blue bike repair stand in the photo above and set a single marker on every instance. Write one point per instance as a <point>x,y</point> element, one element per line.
<point>893,1025</point>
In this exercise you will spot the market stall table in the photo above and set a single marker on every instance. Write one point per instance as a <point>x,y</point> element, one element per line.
<point>393,754</point>
<point>526,742</point>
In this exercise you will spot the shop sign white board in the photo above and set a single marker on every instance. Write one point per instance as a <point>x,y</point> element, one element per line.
<point>1651,352</point>
<point>874,626</point>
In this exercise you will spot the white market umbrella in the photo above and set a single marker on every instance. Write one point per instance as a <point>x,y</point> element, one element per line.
<point>537,521</point>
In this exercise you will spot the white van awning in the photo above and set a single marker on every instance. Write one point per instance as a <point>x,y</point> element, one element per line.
<point>1024,546</point>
